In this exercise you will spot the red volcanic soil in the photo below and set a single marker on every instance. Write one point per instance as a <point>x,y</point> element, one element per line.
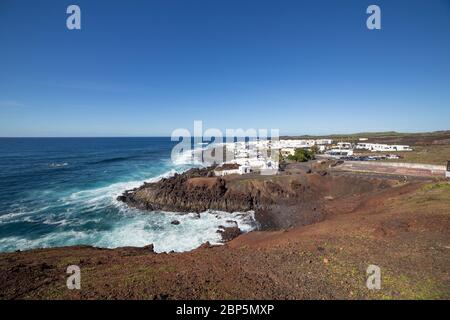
<point>402,227</point>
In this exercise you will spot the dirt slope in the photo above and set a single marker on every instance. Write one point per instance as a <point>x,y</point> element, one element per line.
<point>405,230</point>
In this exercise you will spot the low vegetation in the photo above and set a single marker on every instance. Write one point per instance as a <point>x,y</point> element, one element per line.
<point>435,186</point>
<point>301,155</point>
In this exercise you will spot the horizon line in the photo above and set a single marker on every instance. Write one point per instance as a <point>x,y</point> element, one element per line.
<point>169,136</point>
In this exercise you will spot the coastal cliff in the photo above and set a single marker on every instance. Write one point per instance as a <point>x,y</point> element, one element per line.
<point>278,201</point>
<point>292,198</point>
<point>401,228</point>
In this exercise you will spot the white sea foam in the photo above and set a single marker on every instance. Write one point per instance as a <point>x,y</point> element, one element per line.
<point>143,229</point>
<point>20,215</point>
<point>52,221</point>
<point>9,217</point>
<point>58,165</point>
<point>156,228</point>
<point>94,196</point>
<point>119,225</point>
<point>47,241</point>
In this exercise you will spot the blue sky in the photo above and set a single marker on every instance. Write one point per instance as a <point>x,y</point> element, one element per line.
<point>143,68</point>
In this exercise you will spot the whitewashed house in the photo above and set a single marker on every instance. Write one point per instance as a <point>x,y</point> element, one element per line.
<point>382,147</point>
<point>227,169</point>
<point>324,141</point>
<point>344,145</point>
<point>244,169</point>
<point>285,152</point>
<point>343,149</point>
<point>400,147</point>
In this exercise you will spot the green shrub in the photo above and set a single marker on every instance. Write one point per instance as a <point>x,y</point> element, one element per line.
<point>301,155</point>
<point>434,186</point>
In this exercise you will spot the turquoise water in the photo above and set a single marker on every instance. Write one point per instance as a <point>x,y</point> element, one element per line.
<point>62,191</point>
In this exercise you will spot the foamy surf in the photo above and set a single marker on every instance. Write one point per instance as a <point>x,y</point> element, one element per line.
<point>192,230</point>
<point>113,224</point>
<point>78,204</point>
<point>113,190</point>
<point>140,229</point>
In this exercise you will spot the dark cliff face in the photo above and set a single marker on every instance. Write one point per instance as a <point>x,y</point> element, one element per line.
<point>278,201</point>
<point>296,197</point>
<point>196,190</point>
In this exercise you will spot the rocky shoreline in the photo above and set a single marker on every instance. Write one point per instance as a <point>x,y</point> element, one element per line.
<point>398,225</point>
<point>364,219</point>
<point>181,193</point>
<point>279,202</point>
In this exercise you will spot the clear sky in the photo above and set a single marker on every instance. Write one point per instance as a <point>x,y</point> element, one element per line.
<point>142,68</point>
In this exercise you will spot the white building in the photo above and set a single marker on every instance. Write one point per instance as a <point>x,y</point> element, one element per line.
<point>336,152</point>
<point>287,152</point>
<point>221,173</point>
<point>229,168</point>
<point>244,169</point>
<point>382,147</point>
<point>447,172</point>
<point>344,145</point>
<point>324,141</point>
<point>402,147</point>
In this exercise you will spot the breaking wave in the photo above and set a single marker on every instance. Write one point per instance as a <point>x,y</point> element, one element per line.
<point>79,205</point>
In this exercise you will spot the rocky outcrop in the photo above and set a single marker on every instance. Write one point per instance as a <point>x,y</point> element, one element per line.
<point>229,233</point>
<point>192,191</point>
<point>298,196</point>
<point>280,201</point>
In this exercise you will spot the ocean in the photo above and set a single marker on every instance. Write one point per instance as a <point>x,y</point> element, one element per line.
<point>62,191</point>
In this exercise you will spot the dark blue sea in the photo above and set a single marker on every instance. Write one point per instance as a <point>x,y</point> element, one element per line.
<point>62,191</point>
